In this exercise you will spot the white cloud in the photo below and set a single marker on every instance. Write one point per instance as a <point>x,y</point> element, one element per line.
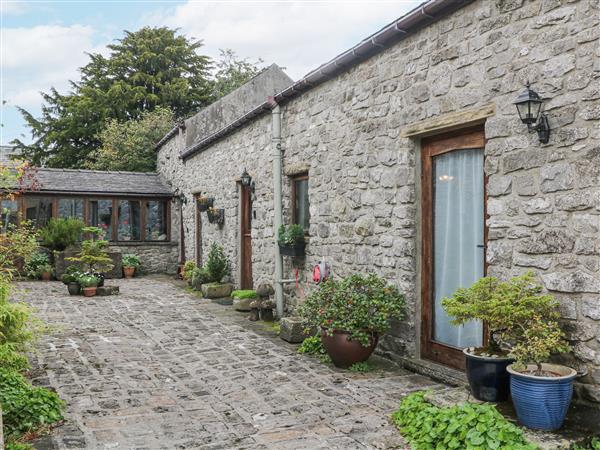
<point>12,7</point>
<point>296,35</point>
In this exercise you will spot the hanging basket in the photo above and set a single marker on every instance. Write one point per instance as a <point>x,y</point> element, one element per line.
<point>204,203</point>
<point>216,216</point>
<point>293,250</point>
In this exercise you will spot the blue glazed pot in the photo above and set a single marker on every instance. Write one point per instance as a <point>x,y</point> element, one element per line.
<point>542,402</point>
<point>488,378</point>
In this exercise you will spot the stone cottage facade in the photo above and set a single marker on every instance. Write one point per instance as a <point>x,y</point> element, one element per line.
<point>371,134</point>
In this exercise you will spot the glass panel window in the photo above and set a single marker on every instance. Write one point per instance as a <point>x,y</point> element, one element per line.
<point>70,207</point>
<point>129,228</point>
<point>156,221</point>
<point>300,202</point>
<point>8,214</point>
<point>38,210</point>
<point>100,215</point>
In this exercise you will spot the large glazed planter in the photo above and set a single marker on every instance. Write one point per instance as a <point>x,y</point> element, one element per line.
<point>74,288</point>
<point>488,377</point>
<point>542,402</point>
<point>343,351</point>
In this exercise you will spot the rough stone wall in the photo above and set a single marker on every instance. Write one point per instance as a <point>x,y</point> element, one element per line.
<point>544,200</point>
<point>155,258</point>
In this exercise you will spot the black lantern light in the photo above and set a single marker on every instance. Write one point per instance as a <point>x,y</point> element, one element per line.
<point>529,105</point>
<point>246,180</point>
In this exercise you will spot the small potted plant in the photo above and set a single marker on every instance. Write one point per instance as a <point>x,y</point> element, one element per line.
<point>187,271</point>
<point>352,314</point>
<point>45,271</point>
<point>94,254</point>
<point>488,300</point>
<point>130,264</point>
<point>541,392</point>
<point>70,278</point>
<point>89,284</point>
<point>291,240</point>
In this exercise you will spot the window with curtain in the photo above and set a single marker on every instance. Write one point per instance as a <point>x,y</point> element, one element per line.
<point>458,227</point>
<point>70,207</point>
<point>130,221</point>
<point>38,210</point>
<point>300,201</point>
<point>9,210</point>
<point>100,215</point>
<point>156,221</point>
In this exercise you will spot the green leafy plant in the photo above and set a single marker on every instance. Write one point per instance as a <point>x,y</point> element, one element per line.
<point>314,346</point>
<point>58,234</point>
<point>593,444</point>
<point>12,445</point>
<point>188,268</point>
<point>130,260</point>
<point>361,367</point>
<point>94,251</point>
<point>361,305</point>
<point>217,263</point>
<point>466,426</point>
<point>35,263</point>
<point>86,281</point>
<point>199,277</point>
<point>11,359</point>
<point>244,293</point>
<point>290,236</point>
<point>71,275</point>
<point>24,407</point>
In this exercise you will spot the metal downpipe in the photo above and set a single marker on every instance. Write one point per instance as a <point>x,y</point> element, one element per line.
<point>277,197</point>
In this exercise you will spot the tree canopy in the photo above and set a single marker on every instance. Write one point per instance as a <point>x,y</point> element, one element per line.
<point>145,70</point>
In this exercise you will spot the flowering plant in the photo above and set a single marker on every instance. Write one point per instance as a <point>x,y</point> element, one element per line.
<point>360,305</point>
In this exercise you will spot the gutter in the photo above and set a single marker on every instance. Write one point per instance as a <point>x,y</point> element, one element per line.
<point>418,18</point>
<point>172,132</point>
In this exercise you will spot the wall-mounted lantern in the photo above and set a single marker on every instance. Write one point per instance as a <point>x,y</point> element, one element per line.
<point>529,106</point>
<point>246,181</point>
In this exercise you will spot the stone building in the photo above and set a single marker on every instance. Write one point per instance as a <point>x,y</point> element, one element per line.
<point>405,156</point>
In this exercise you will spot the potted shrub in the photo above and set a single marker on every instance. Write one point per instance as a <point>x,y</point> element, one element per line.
<point>205,202</point>
<point>199,277</point>
<point>217,268</point>
<point>45,271</point>
<point>94,254</point>
<point>130,264</point>
<point>88,284</point>
<point>541,392</point>
<point>58,234</point>
<point>352,314</point>
<point>488,300</point>
<point>71,279</point>
<point>291,240</point>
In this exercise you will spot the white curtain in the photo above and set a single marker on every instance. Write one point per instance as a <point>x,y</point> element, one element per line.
<point>458,236</point>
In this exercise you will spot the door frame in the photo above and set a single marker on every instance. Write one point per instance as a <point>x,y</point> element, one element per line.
<point>198,232</point>
<point>467,138</point>
<point>246,279</point>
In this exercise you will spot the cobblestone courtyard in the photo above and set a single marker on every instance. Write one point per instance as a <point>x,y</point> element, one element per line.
<point>157,367</point>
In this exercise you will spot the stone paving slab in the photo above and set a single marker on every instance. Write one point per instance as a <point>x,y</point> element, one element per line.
<point>156,367</point>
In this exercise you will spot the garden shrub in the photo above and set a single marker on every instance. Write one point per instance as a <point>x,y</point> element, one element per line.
<point>18,326</point>
<point>466,426</point>
<point>58,234</point>
<point>217,264</point>
<point>199,277</point>
<point>131,260</point>
<point>188,268</point>
<point>11,359</point>
<point>244,293</point>
<point>18,446</point>
<point>26,408</point>
<point>36,262</point>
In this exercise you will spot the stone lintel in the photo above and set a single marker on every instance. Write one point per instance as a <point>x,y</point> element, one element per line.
<point>450,121</point>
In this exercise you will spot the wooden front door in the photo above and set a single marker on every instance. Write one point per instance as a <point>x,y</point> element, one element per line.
<point>454,237</point>
<point>246,238</point>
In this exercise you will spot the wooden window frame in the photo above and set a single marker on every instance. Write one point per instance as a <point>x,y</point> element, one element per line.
<point>294,179</point>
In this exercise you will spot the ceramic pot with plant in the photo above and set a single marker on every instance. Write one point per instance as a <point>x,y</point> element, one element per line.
<point>492,301</point>
<point>71,279</point>
<point>541,392</point>
<point>291,240</point>
<point>89,284</point>
<point>45,271</point>
<point>130,264</point>
<point>352,314</point>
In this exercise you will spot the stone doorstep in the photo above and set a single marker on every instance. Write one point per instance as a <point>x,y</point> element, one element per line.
<point>545,440</point>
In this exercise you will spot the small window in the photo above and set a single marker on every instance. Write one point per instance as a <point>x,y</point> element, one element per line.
<point>156,221</point>
<point>100,215</point>
<point>300,202</point>
<point>38,210</point>
<point>70,208</point>
<point>129,228</point>
<point>9,210</point>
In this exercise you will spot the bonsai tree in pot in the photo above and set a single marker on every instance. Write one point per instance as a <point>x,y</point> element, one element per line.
<point>291,240</point>
<point>71,279</point>
<point>94,254</point>
<point>89,284</point>
<point>130,264</point>
<point>351,314</point>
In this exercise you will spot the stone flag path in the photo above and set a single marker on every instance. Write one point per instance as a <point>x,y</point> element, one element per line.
<point>157,367</point>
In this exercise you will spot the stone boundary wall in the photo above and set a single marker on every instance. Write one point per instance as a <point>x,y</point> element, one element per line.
<point>543,199</point>
<point>155,258</point>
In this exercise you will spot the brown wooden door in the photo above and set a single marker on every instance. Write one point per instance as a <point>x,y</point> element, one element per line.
<point>246,238</point>
<point>453,239</point>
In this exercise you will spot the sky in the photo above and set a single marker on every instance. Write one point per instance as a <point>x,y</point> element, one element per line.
<point>43,43</point>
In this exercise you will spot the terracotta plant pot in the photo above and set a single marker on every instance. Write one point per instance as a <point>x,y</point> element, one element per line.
<point>46,276</point>
<point>128,272</point>
<point>344,352</point>
<point>89,291</point>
